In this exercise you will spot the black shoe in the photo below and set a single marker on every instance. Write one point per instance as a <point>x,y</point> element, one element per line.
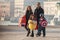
<point>31,35</point>
<point>28,34</point>
<point>43,36</point>
<point>37,35</point>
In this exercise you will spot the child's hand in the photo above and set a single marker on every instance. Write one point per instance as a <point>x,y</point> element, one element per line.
<point>31,22</point>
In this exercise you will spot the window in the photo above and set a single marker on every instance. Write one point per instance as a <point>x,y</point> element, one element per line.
<point>58,5</point>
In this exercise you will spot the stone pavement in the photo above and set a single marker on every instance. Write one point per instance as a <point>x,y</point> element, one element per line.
<point>22,36</point>
<point>16,33</point>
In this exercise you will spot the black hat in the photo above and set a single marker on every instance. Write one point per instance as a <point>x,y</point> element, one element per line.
<point>42,15</point>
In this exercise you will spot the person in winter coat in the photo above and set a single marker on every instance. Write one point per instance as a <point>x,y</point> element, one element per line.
<point>42,26</point>
<point>39,10</point>
<point>27,14</point>
<point>31,25</point>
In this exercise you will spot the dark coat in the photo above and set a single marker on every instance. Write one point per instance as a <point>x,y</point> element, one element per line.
<point>28,13</point>
<point>37,12</point>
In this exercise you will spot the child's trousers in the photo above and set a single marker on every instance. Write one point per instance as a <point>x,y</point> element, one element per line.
<point>32,33</point>
<point>43,29</point>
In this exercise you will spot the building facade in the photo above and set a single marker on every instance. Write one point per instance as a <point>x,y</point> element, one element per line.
<point>4,10</point>
<point>7,10</point>
<point>52,11</point>
<point>19,5</point>
<point>16,9</point>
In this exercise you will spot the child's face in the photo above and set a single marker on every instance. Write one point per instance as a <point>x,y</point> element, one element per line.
<point>32,17</point>
<point>41,18</point>
<point>28,8</point>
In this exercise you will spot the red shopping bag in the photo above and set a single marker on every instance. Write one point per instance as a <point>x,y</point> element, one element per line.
<point>22,21</point>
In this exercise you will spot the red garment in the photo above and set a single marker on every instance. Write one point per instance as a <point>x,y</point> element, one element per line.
<point>36,27</point>
<point>22,21</point>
